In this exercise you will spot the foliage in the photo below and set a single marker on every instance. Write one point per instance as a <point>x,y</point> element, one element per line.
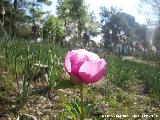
<point>23,55</point>
<point>21,13</point>
<point>13,17</point>
<point>73,111</point>
<point>118,91</point>
<point>55,26</point>
<point>73,12</point>
<point>120,73</point>
<point>125,81</point>
<point>117,21</point>
<point>91,28</point>
<point>54,71</point>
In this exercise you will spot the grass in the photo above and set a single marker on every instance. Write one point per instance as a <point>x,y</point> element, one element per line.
<point>122,72</point>
<point>129,88</point>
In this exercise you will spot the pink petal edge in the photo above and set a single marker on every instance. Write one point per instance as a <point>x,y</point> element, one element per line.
<point>92,71</point>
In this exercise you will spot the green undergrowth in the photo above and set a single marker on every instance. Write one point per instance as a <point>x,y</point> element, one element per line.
<point>128,88</point>
<point>121,72</point>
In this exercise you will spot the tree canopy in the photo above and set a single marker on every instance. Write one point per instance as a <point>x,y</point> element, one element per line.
<point>117,21</point>
<point>73,19</point>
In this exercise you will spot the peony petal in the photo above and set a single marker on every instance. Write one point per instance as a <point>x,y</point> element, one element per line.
<point>86,66</point>
<point>69,60</point>
<point>77,57</point>
<point>67,63</point>
<point>92,71</point>
<point>92,56</point>
<point>75,68</point>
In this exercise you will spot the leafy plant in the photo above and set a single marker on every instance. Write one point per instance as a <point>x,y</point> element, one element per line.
<point>73,109</point>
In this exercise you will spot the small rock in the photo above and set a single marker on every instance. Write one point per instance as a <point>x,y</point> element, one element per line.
<point>39,113</point>
<point>46,112</point>
<point>25,116</point>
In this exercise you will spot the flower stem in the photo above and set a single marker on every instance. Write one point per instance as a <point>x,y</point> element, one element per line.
<point>82,106</point>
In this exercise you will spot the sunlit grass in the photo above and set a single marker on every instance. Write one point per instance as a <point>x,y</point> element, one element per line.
<point>121,72</point>
<point>125,85</point>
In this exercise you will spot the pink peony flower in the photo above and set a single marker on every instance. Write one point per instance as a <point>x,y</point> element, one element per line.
<point>84,66</point>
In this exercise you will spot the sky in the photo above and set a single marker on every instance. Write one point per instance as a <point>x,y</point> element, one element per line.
<point>128,6</point>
